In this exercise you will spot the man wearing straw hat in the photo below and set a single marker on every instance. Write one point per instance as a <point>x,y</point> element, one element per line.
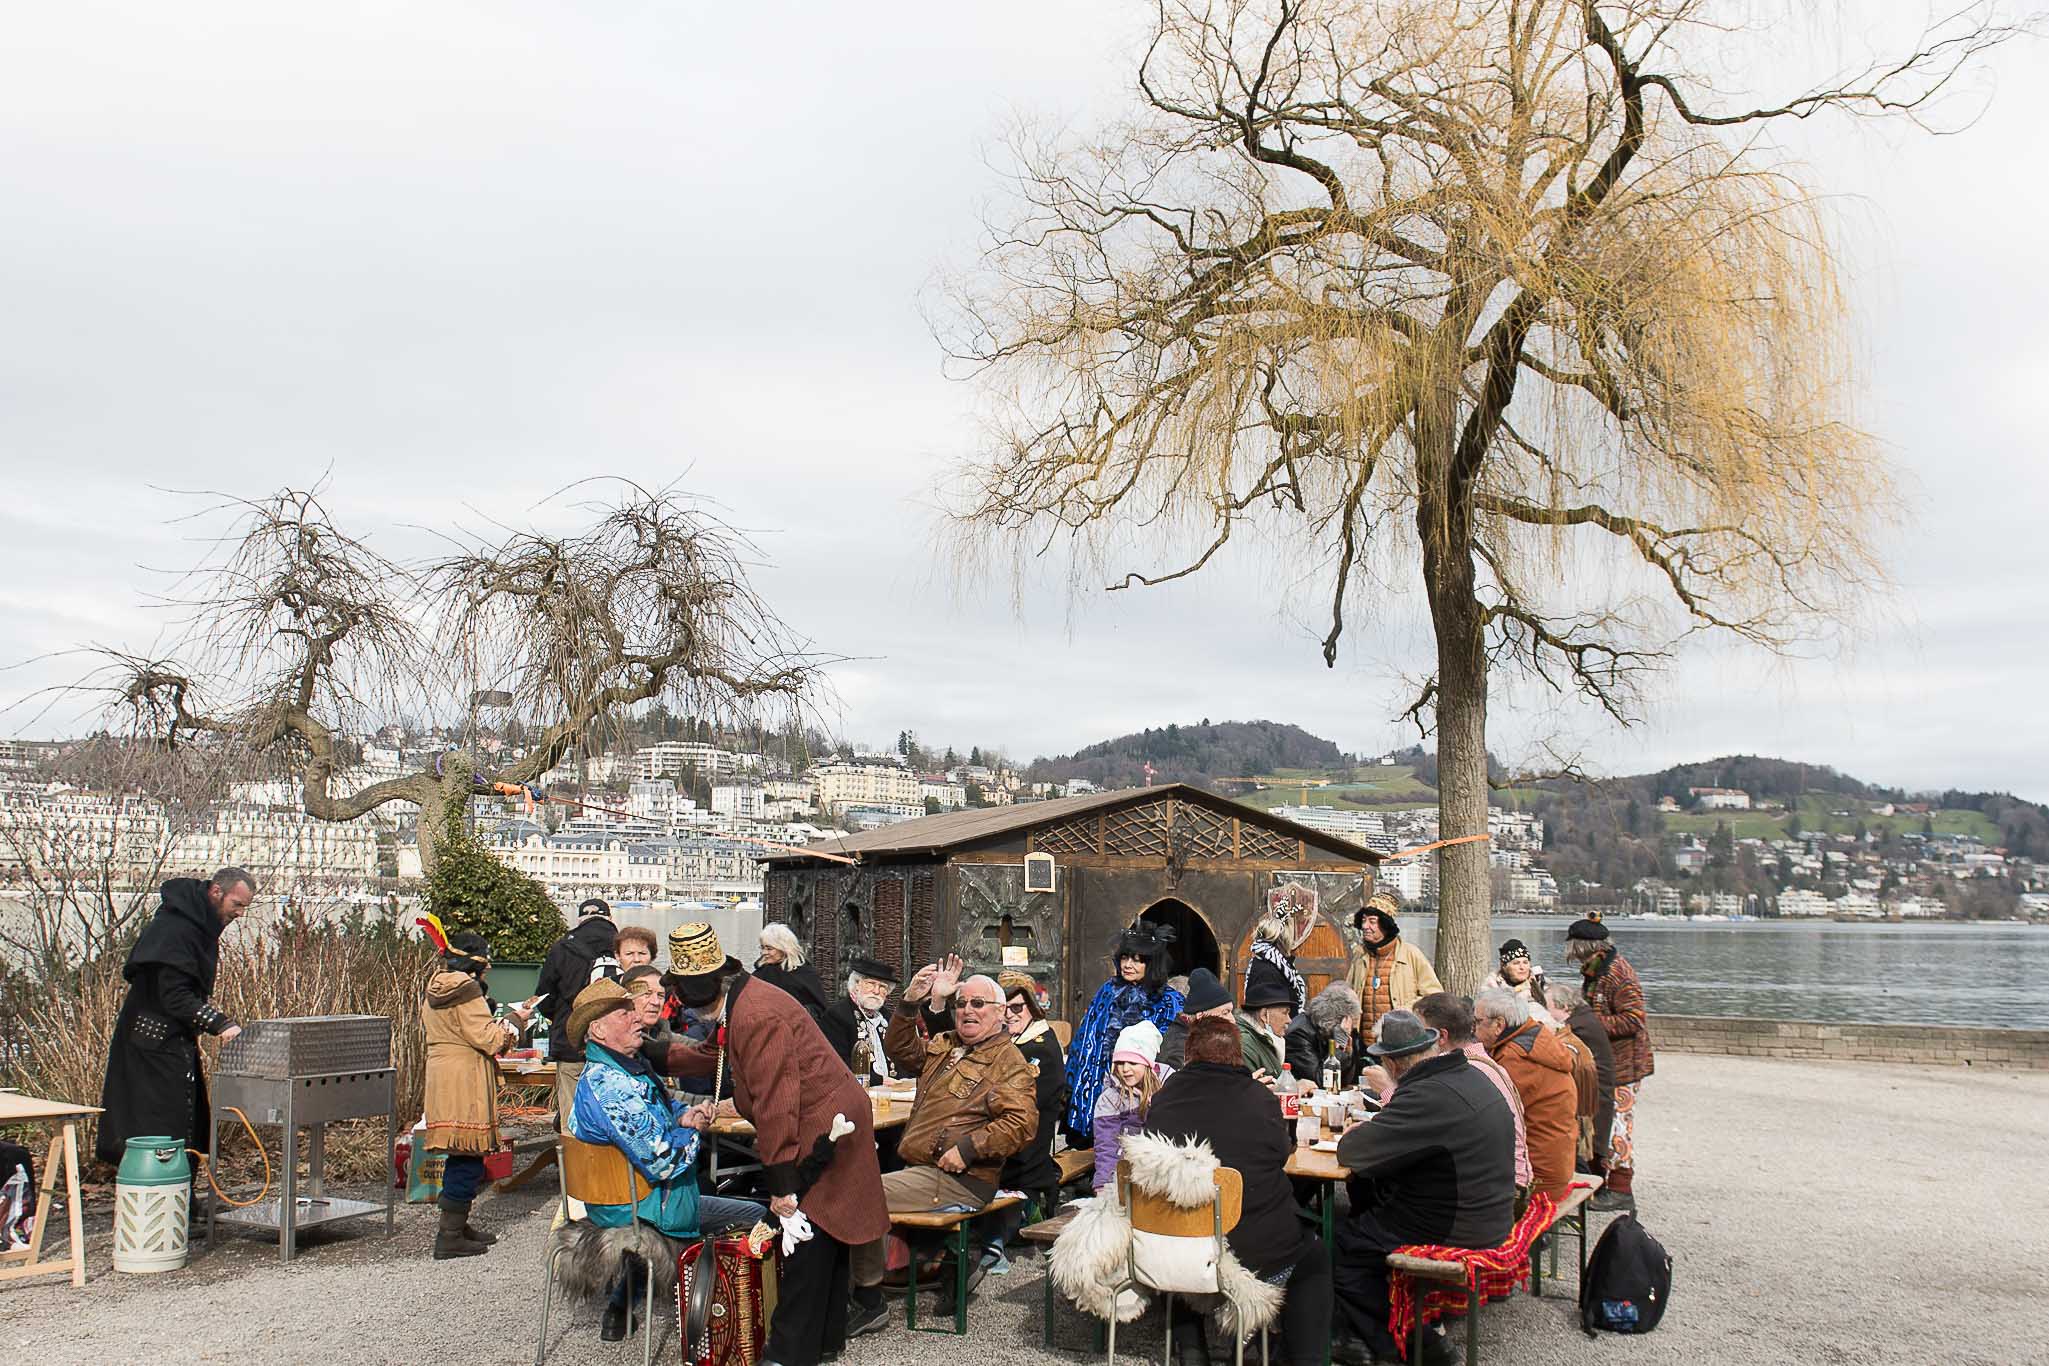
<point>790,1085</point>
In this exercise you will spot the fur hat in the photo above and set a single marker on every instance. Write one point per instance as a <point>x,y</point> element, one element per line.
<point>1382,907</point>
<point>1138,1043</point>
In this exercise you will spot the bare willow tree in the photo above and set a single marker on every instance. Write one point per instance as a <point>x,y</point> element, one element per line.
<point>1498,299</point>
<point>298,634</point>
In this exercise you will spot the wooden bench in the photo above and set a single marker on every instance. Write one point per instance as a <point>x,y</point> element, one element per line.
<point>954,1225</point>
<point>1572,1211</point>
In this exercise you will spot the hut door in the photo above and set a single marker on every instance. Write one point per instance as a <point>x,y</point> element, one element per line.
<point>1321,960</point>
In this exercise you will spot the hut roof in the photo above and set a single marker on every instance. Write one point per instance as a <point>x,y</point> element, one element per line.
<point>954,829</point>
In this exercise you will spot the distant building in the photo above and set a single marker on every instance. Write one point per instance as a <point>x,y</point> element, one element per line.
<point>951,796</point>
<point>1798,904</point>
<point>675,758</point>
<point>741,801</point>
<point>841,784</point>
<point>1719,798</point>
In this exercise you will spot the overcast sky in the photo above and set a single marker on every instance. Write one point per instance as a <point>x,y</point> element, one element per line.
<point>460,254</point>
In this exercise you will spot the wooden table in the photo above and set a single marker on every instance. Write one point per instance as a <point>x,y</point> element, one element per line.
<point>728,1131</point>
<point>523,1074</point>
<point>1323,1168</point>
<point>28,1261</point>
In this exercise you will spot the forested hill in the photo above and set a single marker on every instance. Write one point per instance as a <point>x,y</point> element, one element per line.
<point>1202,753</point>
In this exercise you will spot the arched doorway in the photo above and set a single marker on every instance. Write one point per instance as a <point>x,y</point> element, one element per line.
<point>1195,944</point>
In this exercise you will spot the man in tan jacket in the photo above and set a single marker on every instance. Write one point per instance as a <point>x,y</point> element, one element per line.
<point>976,1106</point>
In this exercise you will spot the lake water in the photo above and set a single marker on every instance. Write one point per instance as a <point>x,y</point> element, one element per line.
<point>1986,976</point>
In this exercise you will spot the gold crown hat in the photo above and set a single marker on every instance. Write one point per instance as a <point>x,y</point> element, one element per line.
<point>695,951</point>
<point>601,997</point>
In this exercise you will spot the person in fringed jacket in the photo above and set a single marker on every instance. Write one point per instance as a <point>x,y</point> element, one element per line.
<point>1137,990</point>
<point>461,1093</point>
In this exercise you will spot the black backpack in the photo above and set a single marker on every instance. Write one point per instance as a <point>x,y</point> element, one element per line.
<point>1628,1280</point>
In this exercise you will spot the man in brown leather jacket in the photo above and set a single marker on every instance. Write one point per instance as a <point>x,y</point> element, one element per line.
<point>976,1105</point>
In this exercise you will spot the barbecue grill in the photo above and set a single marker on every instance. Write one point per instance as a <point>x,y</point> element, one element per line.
<point>305,1073</point>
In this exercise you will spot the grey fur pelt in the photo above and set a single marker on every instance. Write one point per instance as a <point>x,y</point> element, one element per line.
<point>591,1258</point>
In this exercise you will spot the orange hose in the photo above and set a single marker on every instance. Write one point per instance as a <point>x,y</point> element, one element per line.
<point>225,1197</point>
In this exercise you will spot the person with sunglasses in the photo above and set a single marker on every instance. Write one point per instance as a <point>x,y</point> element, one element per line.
<point>976,1106</point>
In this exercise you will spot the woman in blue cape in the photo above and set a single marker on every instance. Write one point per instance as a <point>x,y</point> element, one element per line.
<point>1137,990</point>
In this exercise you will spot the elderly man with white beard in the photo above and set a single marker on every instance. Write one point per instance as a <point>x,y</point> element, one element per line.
<point>855,1024</point>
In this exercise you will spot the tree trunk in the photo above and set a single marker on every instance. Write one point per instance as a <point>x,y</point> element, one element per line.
<point>1464,889</point>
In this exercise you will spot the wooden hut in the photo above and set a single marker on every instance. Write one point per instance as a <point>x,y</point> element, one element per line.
<point>1049,886</point>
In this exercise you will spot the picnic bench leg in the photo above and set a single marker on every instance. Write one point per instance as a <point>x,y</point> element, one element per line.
<point>911,1298</point>
<point>1472,1322</point>
<point>1537,1275</point>
<point>960,1279</point>
<point>1046,1308</point>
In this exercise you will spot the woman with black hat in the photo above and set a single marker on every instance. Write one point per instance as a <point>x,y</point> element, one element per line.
<point>1519,973</point>
<point>1387,971</point>
<point>1616,995</point>
<point>1137,990</point>
<point>462,1085</point>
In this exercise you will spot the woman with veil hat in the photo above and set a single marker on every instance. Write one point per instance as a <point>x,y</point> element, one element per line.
<point>1137,990</point>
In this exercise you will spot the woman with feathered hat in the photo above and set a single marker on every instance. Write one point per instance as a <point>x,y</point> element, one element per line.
<point>1137,990</point>
<point>462,1081</point>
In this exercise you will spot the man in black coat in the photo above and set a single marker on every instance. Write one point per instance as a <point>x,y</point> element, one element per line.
<point>1324,1030</point>
<point>1436,1165</point>
<point>574,961</point>
<point>859,1018</point>
<point>154,1081</point>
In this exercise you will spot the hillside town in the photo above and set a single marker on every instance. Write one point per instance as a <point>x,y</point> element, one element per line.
<point>689,821</point>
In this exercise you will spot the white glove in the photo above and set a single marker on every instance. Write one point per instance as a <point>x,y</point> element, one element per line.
<point>796,1229</point>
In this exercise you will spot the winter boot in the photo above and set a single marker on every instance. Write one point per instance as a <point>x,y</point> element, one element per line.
<point>449,1240</point>
<point>475,1234</point>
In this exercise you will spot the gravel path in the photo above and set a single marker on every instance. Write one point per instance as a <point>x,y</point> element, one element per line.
<point>1816,1212</point>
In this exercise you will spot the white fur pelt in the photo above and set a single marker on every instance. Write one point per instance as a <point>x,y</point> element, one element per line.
<point>591,1258</point>
<point>1090,1259</point>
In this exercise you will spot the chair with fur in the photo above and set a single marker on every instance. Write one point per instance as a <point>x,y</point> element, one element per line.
<point>1164,1232</point>
<point>587,1261</point>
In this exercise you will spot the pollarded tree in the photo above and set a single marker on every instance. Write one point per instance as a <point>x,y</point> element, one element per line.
<point>299,633</point>
<point>1495,299</point>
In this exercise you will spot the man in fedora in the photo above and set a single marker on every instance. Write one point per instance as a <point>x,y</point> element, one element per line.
<point>855,1024</point>
<point>1436,1165</point>
<point>621,1102</point>
<point>789,1084</point>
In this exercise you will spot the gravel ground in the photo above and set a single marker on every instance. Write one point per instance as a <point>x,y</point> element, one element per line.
<point>1816,1212</point>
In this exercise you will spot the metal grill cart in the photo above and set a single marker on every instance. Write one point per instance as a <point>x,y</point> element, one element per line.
<point>298,1074</point>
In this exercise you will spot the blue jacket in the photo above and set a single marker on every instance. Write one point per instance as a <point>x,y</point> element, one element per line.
<point>620,1102</point>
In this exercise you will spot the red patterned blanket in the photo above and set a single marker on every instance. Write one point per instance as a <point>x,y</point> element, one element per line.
<point>1493,1271</point>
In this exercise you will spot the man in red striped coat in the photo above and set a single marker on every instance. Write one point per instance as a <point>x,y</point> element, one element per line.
<point>1616,995</point>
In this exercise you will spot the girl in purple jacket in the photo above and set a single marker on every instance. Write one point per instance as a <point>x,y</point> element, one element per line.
<point>1126,1096</point>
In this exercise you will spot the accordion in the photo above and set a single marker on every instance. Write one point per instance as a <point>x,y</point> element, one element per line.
<point>725,1296</point>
